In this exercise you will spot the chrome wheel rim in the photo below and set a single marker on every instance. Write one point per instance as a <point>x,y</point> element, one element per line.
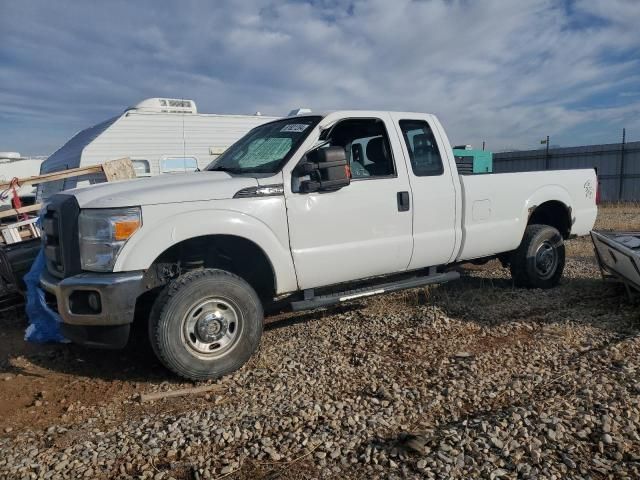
<point>546,260</point>
<point>212,327</point>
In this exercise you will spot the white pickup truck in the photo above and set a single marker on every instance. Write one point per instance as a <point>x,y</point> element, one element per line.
<point>306,211</point>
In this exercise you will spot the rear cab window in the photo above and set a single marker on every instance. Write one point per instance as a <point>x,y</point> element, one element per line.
<point>422,147</point>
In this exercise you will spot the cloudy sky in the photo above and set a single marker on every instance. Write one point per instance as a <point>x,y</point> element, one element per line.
<point>504,71</point>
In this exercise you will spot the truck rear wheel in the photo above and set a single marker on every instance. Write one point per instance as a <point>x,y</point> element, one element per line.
<point>205,324</point>
<point>539,260</point>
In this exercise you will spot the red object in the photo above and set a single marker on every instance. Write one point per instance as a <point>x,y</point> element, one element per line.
<point>15,201</point>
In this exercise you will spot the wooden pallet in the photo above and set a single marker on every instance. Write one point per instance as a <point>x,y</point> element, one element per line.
<point>16,232</point>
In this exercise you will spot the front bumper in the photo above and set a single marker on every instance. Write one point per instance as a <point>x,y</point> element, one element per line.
<point>106,326</point>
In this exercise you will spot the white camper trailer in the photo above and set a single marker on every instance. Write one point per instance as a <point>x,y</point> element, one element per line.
<point>159,135</point>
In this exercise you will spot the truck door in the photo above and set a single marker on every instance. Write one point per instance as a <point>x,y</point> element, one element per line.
<point>434,189</point>
<point>363,229</point>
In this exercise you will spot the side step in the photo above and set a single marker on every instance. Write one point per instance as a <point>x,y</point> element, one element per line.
<point>347,295</point>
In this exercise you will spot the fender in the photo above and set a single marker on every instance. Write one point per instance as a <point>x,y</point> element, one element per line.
<point>153,239</point>
<point>544,194</point>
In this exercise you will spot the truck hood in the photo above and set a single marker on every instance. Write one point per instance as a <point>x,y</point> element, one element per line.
<point>168,188</point>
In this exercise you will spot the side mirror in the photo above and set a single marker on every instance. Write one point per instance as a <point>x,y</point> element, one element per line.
<point>327,168</point>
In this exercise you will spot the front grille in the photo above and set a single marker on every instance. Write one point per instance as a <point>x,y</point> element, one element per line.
<point>51,240</point>
<point>60,236</point>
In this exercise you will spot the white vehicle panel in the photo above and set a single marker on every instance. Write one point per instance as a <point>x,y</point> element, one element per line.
<point>261,220</point>
<point>496,207</point>
<point>355,232</point>
<point>434,201</point>
<point>185,187</point>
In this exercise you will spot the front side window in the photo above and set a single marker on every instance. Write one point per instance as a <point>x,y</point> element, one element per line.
<point>423,149</point>
<point>266,148</point>
<point>366,143</point>
<point>178,165</point>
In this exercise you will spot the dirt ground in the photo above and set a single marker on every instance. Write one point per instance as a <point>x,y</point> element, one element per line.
<point>63,385</point>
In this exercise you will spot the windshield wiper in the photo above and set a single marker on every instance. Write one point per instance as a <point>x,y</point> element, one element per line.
<point>226,169</point>
<point>261,169</point>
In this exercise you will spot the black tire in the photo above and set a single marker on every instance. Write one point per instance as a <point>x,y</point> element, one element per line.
<point>193,311</point>
<point>539,260</point>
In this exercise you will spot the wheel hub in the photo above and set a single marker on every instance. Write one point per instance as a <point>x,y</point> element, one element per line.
<point>211,327</point>
<point>546,259</point>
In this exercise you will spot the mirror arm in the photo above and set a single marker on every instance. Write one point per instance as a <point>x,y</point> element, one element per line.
<point>305,168</point>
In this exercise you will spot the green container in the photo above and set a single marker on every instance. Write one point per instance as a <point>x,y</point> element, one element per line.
<point>473,161</point>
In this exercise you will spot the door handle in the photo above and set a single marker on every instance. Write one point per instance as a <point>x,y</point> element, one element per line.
<point>403,201</point>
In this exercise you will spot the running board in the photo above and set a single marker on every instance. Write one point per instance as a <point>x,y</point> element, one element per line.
<point>348,295</point>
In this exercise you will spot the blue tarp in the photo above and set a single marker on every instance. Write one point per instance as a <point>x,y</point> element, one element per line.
<point>44,323</point>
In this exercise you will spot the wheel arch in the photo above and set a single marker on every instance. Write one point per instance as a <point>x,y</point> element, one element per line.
<point>148,245</point>
<point>231,253</point>
<point>550,205</point>
<point>553,213</point>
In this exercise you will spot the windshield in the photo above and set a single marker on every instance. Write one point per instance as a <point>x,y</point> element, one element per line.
<point>266,148</point>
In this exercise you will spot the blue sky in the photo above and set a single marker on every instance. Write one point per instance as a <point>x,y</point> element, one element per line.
<point>507,72</point>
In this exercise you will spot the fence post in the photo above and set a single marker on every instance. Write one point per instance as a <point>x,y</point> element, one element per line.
<point>624,134</point>
<point>546,155</point>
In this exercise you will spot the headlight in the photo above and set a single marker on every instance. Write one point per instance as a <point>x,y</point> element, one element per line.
<point>103,232</point>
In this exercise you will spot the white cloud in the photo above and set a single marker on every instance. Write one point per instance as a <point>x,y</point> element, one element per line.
<point>505,72</point>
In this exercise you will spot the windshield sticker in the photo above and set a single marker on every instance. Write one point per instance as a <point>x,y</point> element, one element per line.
<point>263,151</point>
<point>294,127</point>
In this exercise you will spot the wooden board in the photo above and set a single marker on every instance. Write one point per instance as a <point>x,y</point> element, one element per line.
<point>50,177</point>
<point>14,212</point>
<point>120,169</point>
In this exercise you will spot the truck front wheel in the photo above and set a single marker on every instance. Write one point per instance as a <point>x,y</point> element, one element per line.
<point>539,260</point>
<point>205,324</point>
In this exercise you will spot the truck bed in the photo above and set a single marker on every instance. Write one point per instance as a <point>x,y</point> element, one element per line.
<point>496,207</point>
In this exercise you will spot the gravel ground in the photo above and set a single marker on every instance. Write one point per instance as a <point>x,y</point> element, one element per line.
<point>470,379</point>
